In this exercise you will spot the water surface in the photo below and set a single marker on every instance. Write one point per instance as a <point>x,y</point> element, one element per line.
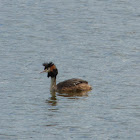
<point>94,40</point>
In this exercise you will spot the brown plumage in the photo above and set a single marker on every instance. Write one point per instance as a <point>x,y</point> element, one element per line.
<point>71,85</point>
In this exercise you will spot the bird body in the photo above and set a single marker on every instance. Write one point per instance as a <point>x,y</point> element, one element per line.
<point>71,85</point>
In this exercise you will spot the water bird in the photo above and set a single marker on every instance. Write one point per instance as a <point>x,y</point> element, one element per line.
<point>71,85</point>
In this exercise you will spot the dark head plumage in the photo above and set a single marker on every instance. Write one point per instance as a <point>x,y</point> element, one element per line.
<point>52,69</point>
<point>47,65</point>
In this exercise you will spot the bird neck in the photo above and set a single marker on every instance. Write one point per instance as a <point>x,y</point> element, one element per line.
<point>53,84</point>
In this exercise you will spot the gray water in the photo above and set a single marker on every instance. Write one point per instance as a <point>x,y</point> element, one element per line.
<point>96,40</point>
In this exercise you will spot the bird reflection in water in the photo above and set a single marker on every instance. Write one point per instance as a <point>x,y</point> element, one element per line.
<point>71,95</point>
<point>52,100</point>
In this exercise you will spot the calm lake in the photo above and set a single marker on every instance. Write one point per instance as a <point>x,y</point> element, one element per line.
<point>95,40</point>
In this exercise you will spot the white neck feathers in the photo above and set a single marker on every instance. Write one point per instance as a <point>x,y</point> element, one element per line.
<point>53,84</point>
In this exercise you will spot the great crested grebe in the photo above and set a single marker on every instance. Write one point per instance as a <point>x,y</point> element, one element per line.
<point>71,85</point>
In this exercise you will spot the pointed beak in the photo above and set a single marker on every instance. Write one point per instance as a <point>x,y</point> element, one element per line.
<point>46,70</point>
<point>43,71</point>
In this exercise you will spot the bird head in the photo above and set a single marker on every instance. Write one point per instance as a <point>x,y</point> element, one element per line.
<point>51,69</point>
